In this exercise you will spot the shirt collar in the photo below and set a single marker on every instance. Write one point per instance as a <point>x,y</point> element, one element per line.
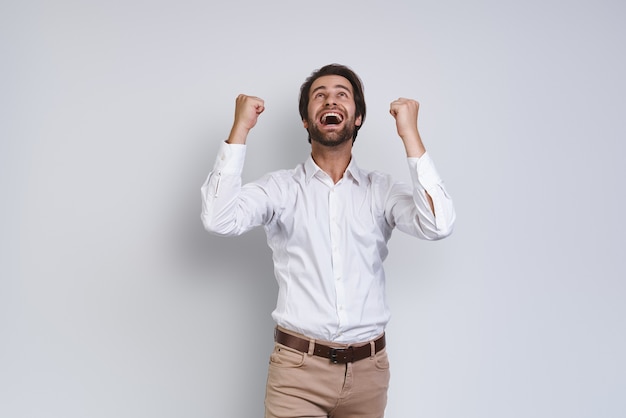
<point>352,171</point>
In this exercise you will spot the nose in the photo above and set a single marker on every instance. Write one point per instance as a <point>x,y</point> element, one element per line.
<point>330,101</point>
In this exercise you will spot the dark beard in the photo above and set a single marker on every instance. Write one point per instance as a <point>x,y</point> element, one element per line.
<point>332,139</point>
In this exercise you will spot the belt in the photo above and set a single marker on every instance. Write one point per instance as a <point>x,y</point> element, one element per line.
<point>336,355</point>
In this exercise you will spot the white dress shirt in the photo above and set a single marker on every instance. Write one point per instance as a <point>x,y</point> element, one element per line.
<point>328,240</point>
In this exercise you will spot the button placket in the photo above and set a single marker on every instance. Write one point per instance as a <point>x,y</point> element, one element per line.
<point>337,261</point>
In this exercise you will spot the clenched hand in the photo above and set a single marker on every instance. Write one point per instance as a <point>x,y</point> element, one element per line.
<point>405,113</point>
<point>247,111</point>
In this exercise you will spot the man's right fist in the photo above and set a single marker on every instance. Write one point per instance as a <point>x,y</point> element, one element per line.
<point>247,111</point>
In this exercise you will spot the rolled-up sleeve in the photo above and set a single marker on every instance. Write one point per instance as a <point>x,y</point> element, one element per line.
<point>421,220</point>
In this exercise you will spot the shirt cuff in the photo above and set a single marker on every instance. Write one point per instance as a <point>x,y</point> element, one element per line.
<point>423,171</point>
<point>230,159</point>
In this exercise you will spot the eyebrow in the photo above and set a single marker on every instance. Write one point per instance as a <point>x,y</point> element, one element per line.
<point>339,86</point>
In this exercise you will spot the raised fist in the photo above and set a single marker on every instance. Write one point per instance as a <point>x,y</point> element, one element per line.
<point>405,113</point>
<point>247,111</point>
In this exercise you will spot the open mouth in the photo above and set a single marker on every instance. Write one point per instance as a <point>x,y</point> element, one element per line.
<point>331,118</point>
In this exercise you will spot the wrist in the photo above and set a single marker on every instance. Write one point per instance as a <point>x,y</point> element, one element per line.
<point>238,135</point>
<point>413,146</point>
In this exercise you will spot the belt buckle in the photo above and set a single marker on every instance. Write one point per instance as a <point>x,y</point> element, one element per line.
<point>346,355</point>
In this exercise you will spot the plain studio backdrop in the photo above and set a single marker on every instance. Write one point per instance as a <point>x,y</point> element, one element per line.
<point>114,302</point>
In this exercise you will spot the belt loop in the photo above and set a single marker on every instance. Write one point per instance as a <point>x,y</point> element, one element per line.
<point>311,347</point>
<point>372,348</point>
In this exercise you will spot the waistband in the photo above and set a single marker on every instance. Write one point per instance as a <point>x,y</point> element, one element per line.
<point>341,355</point>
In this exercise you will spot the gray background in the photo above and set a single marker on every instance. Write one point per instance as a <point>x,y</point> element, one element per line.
<point>115,303</point>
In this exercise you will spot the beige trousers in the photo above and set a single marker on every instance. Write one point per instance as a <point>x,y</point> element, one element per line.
<point>301,385</point>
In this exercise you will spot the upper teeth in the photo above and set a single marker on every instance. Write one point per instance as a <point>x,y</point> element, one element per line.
<point>337,115</point>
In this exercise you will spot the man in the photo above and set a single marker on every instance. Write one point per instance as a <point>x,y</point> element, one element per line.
<point>328,223</point>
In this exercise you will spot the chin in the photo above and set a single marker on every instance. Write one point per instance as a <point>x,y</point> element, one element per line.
<point>331,142</point>
<point>331,139</point>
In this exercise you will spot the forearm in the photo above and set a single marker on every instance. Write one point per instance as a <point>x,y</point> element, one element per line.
<point>217,204</point>
<point>435,210</point>
<point>228,207</point>
<point>436,214</point>
<point>220,189</point>
<point>413,145</point>
<point>238,135</point>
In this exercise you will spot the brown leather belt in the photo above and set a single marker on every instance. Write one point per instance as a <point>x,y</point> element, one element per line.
<point>336,355</point>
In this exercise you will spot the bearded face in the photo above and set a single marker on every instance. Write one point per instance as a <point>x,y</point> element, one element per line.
<point>320,130</point>
<point>331,117</point>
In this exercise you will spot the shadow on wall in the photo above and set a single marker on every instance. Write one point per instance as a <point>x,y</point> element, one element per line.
<point>234,275</point>
<point>240,264</point>
<point>239,280</point>
<point>237,272</point>
<point>272,147</point>
<point>246,256</point>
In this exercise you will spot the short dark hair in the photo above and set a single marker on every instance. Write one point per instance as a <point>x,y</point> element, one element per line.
<point>343,71</point>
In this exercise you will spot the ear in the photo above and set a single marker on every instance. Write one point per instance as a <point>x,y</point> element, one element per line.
<point>358,121</point>
<point>305,123</point>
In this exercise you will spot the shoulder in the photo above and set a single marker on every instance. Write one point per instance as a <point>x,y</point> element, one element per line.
<point>287,175</point>
<point>279,181</point>
<point>384,186</point>
<point>376,178</point>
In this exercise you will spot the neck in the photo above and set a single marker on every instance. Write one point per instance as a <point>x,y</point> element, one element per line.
<point>332,160</point>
